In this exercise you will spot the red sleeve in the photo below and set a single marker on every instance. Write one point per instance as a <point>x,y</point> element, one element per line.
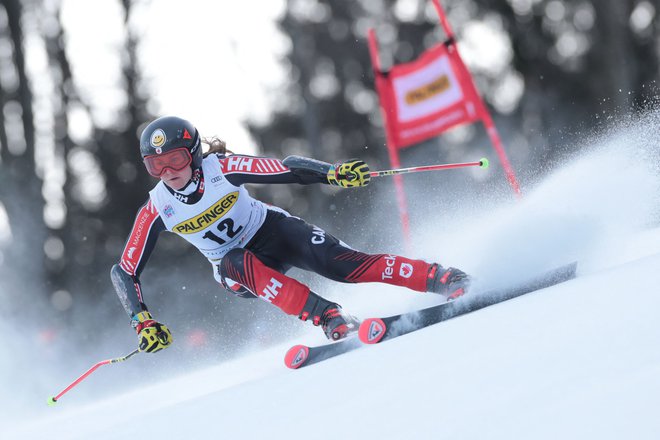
<point>240,169</point>
<point>146,228</point>
<point>140,243</point>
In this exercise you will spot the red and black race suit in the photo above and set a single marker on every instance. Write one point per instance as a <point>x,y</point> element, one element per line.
<point>280,243</point>
<point>284,242</point>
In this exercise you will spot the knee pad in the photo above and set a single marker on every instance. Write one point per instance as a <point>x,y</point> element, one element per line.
<point>220,273</point>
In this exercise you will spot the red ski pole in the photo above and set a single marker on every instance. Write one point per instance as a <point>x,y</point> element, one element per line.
<point>53,400</point>
<point>483,163</point>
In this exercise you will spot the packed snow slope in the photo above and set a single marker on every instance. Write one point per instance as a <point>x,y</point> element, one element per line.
<point>575,361</point>
<point>579,360</point>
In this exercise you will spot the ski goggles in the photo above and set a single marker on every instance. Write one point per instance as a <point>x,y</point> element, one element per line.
<point>175,160</point>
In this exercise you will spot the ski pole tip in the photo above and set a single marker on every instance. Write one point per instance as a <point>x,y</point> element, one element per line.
<point>483,163</point>
<point>51,401</point>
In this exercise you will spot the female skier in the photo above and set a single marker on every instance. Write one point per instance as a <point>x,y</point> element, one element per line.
<point>252,245</point>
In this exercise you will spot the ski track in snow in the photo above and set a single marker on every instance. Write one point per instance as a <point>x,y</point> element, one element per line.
<point>575,361</point>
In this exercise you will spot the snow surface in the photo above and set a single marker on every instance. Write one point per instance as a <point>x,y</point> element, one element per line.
<point>579,360</point>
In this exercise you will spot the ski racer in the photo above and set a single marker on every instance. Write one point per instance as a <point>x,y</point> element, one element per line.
<point>251,245</point>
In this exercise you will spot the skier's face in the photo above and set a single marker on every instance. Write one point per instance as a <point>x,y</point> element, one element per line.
<point>176,179</point>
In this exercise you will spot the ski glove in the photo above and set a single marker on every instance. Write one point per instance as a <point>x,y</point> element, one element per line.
<point>352,173</point>
<point>152,335</point>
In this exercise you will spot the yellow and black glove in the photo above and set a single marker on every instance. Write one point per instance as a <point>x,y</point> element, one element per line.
<point>152,335</point>
<point>349,174</point>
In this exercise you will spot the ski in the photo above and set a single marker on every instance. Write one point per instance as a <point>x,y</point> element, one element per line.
<point>375,330</point>
<point>302,355</point>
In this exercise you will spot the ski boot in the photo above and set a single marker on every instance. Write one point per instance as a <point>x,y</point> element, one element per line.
<point>448,282</point>
<point>336,324</point>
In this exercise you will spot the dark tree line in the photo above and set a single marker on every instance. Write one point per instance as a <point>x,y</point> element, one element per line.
<point>73,255</point>
<point>18,175</point>
<point>582,63</point>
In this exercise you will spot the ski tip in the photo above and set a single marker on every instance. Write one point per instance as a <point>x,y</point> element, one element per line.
<point>372,330</point>
<point>296,356</point>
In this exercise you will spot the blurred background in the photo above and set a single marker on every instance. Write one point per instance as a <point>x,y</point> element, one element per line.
<point>79,79</point>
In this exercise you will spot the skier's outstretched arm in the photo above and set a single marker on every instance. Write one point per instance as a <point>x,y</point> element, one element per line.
<point>240,169</point>
<point>152,335</point>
